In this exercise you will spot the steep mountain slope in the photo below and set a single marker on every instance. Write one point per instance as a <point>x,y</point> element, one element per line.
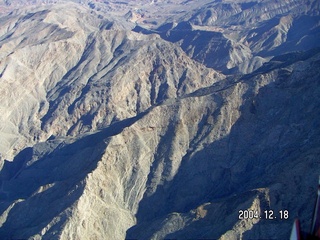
<point>116,131</point>
<point>251,161</point>
<point>226,147</point>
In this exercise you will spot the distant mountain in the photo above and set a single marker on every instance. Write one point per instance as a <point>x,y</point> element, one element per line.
<point>240,37</point>
<point>158,120</point>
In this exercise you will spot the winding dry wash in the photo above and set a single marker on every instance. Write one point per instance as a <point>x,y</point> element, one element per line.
<point>158,119</point>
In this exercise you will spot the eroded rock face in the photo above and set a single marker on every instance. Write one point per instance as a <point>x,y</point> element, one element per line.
<point>117,132</point>
<point>89,75</point>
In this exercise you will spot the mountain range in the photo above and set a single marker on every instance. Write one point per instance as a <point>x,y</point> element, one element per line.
<point>158,119</point>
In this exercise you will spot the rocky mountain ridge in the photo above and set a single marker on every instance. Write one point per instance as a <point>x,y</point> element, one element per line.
<point>115,130</point>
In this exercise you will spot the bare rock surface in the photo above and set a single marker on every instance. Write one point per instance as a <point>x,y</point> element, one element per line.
<point>152,120</point>
<point>82,70</point>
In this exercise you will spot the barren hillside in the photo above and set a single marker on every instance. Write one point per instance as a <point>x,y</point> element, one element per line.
<point>157,119</point>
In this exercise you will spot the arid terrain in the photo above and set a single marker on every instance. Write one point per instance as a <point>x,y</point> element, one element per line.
<point>158,119</point>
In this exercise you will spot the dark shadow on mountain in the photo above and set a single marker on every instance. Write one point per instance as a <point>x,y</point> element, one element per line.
<point>84,91</point>
<point>303,35</point>
<point>60,169</point>
<point>142,30</point>
<point>215,88</point>
<point>10,169</point>
<point>282,61</point>
<point>202,46</point>
<point>207,47</point>
<point>271,131</point>
<point>247,5</point>
<point>64,89</point>
<point>35,15</point>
